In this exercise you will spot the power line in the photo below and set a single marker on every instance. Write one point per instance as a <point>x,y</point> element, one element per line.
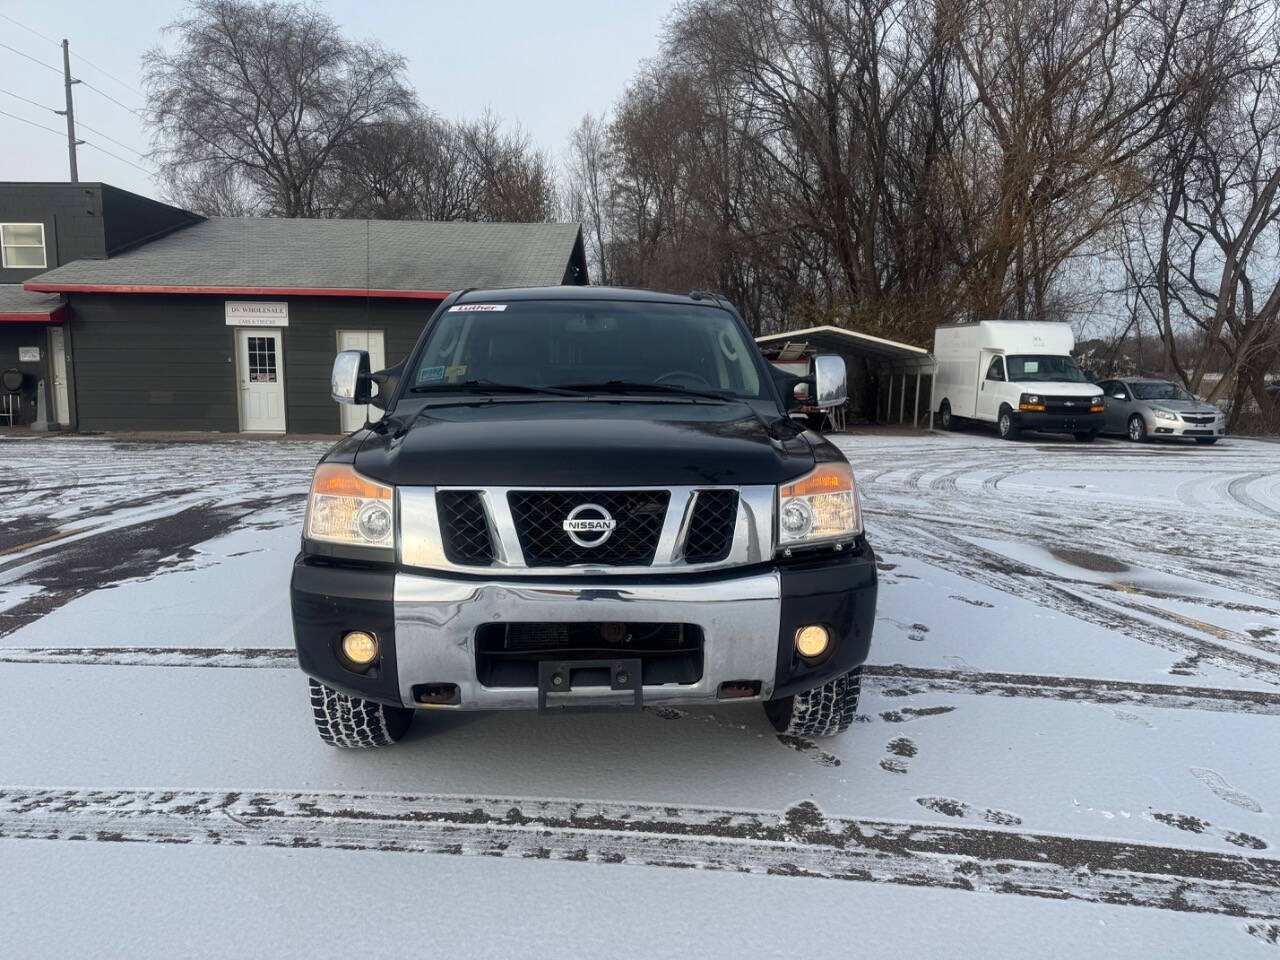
<point>42,36</point>
<point>90,143</point>
<point>5,113</point>
<point>105,136</point>
<point>103,71</point>
<point>31,58</point>
<point>25,100</point>
<point>103,93</point>
<point>86,143</point>
<point>123,83</point>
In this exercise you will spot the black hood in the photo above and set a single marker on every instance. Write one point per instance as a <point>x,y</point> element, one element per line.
<point>553,442</point>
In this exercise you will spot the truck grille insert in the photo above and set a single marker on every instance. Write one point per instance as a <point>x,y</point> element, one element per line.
<point>540,515</point>
<point>711,526</point>
<point>464,528</point>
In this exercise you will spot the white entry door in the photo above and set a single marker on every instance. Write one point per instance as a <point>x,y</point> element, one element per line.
<point>261,379</point>
<point>353,417</point>
<point>58,371</point>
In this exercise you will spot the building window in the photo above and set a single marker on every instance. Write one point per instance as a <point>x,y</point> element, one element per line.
<point>22,245</point>
<point>262,359</point>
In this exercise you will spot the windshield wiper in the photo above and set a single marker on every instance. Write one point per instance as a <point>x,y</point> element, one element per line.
<point>632,386</point>
<point>489,386</point>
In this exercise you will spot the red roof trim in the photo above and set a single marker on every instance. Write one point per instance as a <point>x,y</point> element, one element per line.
<point>56,315</point>
<point>53,287</point>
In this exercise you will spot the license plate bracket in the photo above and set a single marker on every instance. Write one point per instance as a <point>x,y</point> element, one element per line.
<point>557,677</point>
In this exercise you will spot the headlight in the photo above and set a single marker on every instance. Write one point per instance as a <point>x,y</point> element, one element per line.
<point>1032,402</point>
<point>822,505</point>
<point>1164,415</point>
<point>347,508</point>
<point>1096,405</point>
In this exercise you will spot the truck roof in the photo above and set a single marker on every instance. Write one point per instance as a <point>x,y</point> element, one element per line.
<point>629,294</point>
<point>1006,336</point>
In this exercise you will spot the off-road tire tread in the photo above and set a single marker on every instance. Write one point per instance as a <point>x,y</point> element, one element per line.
<point>353,723</point>
<point>821,712</point>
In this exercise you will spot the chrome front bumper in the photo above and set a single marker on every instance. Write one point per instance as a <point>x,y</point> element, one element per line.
<point>436,621</point>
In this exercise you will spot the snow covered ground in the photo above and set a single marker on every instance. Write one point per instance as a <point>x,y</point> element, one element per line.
<point>1068,747</point>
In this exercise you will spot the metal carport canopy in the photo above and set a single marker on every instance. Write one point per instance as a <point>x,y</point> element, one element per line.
<point>889,355</point>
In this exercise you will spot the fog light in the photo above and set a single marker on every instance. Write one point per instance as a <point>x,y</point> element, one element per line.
<point>811,641</point>
<point>360,648</point>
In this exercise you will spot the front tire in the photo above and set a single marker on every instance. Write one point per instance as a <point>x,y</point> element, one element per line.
<point>1008,429</point>
<point>949,422</point>
<point>1086,436</point>
<point>821,712</point>
<point>356,724</point>
<point>1137,429</point>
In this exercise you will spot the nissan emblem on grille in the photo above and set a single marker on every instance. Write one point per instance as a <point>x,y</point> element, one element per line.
<point>590,519</point>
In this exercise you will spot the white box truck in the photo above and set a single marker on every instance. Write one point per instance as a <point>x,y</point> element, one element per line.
<point>1018,375</point>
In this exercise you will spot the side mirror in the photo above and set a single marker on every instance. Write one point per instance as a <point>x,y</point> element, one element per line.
<point>1119,396</point>
<point>350,382</point>
<point>830,386</point>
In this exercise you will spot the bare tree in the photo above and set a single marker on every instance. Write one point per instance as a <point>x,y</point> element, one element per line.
<point>589,185</point>
<point>1199,252</point>
<point>263,95</point>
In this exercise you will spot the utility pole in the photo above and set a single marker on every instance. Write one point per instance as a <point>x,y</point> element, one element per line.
<point>70,112</point>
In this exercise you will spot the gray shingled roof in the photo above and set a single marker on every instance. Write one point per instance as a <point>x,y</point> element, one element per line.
<point>332,254</point>
<point>13,299</point>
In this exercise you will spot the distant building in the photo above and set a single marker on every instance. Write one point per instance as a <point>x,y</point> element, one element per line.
<point>176,322</point>
<point>43,226</point>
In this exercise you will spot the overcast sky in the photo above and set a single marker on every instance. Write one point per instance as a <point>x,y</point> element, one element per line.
<point>544,63</point>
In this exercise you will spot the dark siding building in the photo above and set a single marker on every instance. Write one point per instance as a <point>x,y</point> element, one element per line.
<point>168,362</point>
<point>232,324</point>
<point>42,226</point>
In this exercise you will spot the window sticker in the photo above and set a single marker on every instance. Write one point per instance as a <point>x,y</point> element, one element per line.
<point>1030,366</point>
<point>428,374</point>
<point>478,308</point>
<point>456,372</point>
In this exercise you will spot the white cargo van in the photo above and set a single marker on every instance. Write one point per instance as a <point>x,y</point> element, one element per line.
<point>1017,375</point>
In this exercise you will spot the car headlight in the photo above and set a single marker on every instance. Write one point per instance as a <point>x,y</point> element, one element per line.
<point>1164,415</point>
<point>346,508</point>
<point>822,505</point>
<point>1096,405</point>
<point>1032,402</point>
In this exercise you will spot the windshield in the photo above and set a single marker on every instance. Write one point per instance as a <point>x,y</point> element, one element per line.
<point>1041,367</point>
<point>1160,390</point>
<point>607,345</point>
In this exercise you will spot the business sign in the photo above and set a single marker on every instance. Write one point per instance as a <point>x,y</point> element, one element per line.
<point>28,354</point>
<point>257,313</point>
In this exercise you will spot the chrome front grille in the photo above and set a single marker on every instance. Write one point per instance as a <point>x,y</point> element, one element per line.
<point>711,525</point>
<point>464,527</point>
<point>539,517</point>
<point>666,529</point>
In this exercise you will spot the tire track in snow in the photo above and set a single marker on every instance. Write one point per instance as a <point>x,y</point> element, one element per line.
<point>894,680</point>
<point>800,841</point>
<point>968,560</point>
<point>154,656</point>
<point>1238,490</point>
<point>899,681</point>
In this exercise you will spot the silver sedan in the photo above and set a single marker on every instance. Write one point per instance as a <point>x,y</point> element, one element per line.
<point>1149,409</point>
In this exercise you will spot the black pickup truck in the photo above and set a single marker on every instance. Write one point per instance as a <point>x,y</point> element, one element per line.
<point>582,499</point>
